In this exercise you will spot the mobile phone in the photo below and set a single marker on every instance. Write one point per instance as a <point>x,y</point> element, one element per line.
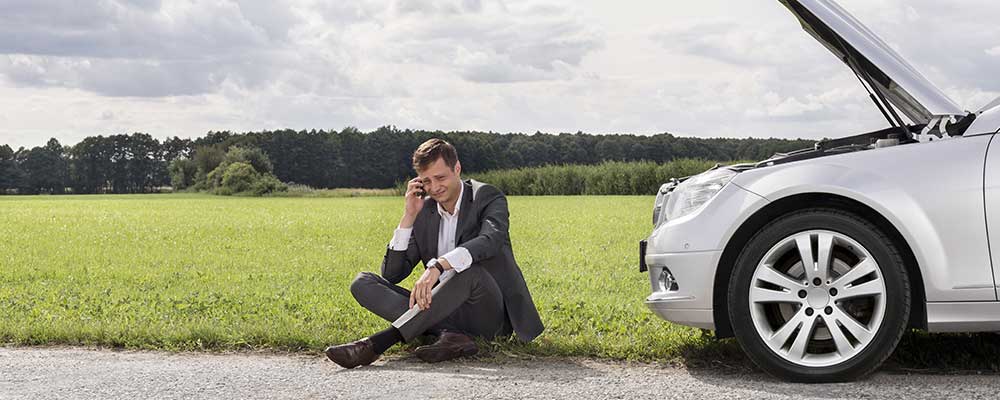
<point>420,192</point>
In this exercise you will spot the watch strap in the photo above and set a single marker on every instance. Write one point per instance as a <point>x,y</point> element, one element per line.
<point>433,263</point>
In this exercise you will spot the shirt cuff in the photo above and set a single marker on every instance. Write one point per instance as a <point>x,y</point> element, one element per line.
<point>400,239</point>
<point>460,259</point>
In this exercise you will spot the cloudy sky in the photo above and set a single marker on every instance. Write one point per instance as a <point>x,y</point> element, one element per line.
<point>700,68</point>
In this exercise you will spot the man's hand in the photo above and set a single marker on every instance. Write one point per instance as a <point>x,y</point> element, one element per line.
<point>421,294</point>
<point>414,202</point>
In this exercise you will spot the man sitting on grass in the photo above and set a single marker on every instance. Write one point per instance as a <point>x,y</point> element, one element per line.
<point>459,230</point>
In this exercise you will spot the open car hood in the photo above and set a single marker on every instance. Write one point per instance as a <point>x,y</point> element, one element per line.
<point>894,79</point>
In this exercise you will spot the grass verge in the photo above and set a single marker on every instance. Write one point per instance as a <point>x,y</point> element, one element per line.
<point>191,272</point>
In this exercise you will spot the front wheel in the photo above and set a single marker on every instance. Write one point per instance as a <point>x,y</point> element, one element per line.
<point>819,295</point>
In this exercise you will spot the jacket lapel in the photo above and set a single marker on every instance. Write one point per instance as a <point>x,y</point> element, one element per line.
<point>466,220</point>
<point>433,227</point>
<point>428,231</point>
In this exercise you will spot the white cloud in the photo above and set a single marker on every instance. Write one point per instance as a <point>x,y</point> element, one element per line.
<point>489,42</point>
<point>792,107</point>
<point>183,67</point>
<point>948,45</point>
<point>735,42</point>
<point>489,67</point>
<point>145,49</point>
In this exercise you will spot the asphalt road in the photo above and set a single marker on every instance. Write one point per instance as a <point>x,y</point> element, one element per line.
<point>69,373</point>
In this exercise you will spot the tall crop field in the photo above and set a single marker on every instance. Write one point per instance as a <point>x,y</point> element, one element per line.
<point>609,178</point>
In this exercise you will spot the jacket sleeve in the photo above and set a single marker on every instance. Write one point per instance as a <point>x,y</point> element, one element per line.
<point>493,229</point>
<point>397,265</point>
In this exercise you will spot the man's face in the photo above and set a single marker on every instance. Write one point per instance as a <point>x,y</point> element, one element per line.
<point>440,182</point>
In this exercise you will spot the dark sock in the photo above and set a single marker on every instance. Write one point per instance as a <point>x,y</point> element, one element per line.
<point>382,341</point>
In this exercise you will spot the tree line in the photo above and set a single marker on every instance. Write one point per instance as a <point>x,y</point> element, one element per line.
<point>140,163</point>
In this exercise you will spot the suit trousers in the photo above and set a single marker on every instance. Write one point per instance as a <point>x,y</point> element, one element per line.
<point>470,302</point>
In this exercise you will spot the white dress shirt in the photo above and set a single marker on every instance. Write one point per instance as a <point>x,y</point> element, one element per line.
<point>458,257</point>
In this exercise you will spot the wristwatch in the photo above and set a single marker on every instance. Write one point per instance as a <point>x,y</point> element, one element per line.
<point>435,264</point>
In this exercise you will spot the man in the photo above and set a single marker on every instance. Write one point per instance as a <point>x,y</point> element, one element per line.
<point>471,286</point>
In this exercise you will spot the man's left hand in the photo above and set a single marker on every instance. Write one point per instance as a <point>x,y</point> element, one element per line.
<point>421,294</point>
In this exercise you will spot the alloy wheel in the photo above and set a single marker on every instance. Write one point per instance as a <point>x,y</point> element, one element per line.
<point>817,298</point>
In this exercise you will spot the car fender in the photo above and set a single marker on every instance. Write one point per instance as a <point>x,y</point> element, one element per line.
<point>986,122</point>
<point>938,210</point>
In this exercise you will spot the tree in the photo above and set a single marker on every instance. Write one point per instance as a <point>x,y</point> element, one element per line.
<point>349,158</point>
<point>175,147</point>
<point>242,171</point>
<point>206,159</point>
<point>182,173</point>
<point>253,156</point>
<point>144,163</point>
<point>238,177</point>
<point>10,174</point>
<point>91,164</point>
<point>45,168</point>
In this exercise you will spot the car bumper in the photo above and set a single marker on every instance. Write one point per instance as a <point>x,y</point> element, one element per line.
<point>690,302</point>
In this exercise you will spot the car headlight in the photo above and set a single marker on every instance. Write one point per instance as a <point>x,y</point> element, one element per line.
<point>694,192</point>
<point>661,198</point>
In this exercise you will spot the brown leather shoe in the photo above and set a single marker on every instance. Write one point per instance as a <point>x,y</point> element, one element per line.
<point>352,354</point>
<point>449,345</point>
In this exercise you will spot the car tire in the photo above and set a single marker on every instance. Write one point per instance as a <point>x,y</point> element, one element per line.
<point>859,326</point>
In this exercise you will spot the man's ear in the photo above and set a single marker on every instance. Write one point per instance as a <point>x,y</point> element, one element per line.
<point>458,167</point>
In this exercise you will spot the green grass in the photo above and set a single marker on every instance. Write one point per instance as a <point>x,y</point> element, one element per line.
<point>202,272</point>
<point>189,271</point>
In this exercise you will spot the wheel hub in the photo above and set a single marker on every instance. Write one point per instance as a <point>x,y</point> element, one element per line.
<point>818,298</point>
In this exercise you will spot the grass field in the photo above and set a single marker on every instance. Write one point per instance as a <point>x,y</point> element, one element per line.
<point>191,272</point>
<point>207,272</point>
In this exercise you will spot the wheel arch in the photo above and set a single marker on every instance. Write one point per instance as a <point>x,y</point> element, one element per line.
<point>720,309</point>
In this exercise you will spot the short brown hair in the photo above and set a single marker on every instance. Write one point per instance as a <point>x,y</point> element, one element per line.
<point>430,151</point>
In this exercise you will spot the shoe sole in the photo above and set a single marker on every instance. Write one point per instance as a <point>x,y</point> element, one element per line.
<point>439,355</point>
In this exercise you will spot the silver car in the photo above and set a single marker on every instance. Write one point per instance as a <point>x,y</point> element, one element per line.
<point>818,260</point>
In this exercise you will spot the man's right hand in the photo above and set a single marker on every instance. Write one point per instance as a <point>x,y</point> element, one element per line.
<point>414,203</point>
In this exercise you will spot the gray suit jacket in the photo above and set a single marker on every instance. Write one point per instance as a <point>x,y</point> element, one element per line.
<point>483,230</point>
